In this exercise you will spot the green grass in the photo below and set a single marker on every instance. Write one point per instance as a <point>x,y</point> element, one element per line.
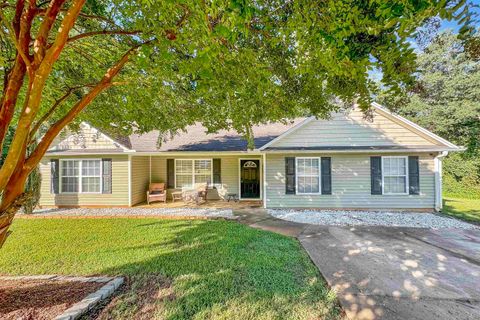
<point>465,209</point>
<point>215,269</point>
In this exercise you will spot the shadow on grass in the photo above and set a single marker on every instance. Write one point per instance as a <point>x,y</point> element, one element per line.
<point>461,209</point>
<point>232,272</point>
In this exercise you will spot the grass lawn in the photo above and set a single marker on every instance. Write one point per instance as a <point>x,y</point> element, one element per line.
<point>177,269</point>
<point>465,209</point>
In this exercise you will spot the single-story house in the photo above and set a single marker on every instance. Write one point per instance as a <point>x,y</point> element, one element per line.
<point>348,162</point>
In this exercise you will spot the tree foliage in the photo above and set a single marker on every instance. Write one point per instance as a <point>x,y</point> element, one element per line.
<point>446,100</point>
<point>143,65</point>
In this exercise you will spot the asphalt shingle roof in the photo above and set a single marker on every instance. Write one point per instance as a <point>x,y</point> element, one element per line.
<point>195,138</point>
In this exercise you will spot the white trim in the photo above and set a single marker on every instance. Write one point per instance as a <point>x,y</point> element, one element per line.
<point>406,177</point>
<point>264,180</point>
<point>438,181</point>
<point>415,126</point>
<point>319,176</point>
<point>193,170</point>
<point>286,133</point>
<point>240,179</point>
<point>129,180</point>
<point>363,151</point>
<point>80,175</point>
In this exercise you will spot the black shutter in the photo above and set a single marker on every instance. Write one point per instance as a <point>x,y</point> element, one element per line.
<point>290,175</point>
<point>376,174</point>
<point>217,175</point>
<point>413,175</point>
<point>326,175</point>
<point>170,173</point>
<point>106,175</point>
<point>54,176</point>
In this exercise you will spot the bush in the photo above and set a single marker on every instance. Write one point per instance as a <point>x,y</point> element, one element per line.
<point>461,176</point>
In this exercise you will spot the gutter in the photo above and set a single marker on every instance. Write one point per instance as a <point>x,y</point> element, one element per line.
<point>366,151</point>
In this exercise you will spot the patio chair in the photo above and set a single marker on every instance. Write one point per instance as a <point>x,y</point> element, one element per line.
<point>156,192</point>
<point>199,191</point>
<point>202,191</point>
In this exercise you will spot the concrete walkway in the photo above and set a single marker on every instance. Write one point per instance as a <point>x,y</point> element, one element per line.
<point>259,219</point>
<point>390,273</point>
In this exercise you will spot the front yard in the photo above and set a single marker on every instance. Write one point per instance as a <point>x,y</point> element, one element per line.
<point>464,209</point>
<point>177,269</point>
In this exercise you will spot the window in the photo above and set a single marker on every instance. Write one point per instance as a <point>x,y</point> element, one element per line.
<point>189,172</point>
<point>82,176</point>
<point>394,175</point>
<point>70,175</point>
<point>308,175</point>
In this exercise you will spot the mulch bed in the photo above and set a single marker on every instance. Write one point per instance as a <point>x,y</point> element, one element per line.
<point>41,299</point>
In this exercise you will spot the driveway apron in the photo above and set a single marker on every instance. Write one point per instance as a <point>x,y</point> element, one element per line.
<point>399,273</point>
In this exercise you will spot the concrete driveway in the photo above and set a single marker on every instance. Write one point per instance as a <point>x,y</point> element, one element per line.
<point>399,273</point>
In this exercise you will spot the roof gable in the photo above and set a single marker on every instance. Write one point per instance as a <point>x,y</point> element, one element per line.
<point>350,130</point>
<point>87,138</point>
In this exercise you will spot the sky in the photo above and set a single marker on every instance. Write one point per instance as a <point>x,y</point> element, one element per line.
<point>445,25</point>
<point>454,25</point>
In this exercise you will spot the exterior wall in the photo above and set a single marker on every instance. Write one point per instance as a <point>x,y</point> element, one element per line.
<point>229,172</point>
<point>350,185</point>
<point>140,177</point>
<point>118,197</point>
<point>352,130</point>
<point>86,138</point>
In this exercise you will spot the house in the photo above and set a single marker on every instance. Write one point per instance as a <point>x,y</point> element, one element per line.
<point>347,161</point>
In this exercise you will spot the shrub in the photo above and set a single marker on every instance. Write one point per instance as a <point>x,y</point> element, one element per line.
<point>461,176</point>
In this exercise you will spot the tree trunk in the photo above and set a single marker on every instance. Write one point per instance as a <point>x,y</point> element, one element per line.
<point>13,199</point>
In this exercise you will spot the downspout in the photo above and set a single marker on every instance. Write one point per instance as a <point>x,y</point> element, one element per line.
<point>129,180</point>
<point>264,155</point>
<point>438,180</point>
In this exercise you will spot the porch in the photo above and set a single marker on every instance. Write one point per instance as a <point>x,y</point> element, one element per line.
<point>210,204</point>
<point>236,174</point>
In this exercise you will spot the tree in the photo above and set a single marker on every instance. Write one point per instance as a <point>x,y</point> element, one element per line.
<point>229,64</point>
<point>446,100</point>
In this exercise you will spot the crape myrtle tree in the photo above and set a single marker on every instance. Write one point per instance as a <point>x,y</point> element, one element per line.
<point>140,65</point>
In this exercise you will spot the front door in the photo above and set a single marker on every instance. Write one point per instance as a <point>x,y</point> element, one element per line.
<point>250,179</point>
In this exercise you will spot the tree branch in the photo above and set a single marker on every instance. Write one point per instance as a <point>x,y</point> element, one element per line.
<point>52,109</point>
<point>101,32</point>
<point>40,44</point>
<point>11,32</point>
<point>58,126</point>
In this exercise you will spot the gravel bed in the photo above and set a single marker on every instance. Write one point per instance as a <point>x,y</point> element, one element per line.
<point>180,212</point>
<point>371,218</point>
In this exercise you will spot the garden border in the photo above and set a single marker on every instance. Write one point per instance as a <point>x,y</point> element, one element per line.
<point>87,303</point>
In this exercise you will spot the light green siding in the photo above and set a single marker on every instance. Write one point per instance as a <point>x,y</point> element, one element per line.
<point>87,138</point>
<point>353,129</point>
<point>350,185</point>
<point>140,176</point>
<point>118,197</point>
<point>229,171</point>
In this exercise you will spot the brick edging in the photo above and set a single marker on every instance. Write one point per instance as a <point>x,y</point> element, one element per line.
<point>87,303</point>
<point>90,301</point>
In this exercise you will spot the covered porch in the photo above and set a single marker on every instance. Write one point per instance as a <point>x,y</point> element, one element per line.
<point>227,174</point>
<point>210,204</point>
